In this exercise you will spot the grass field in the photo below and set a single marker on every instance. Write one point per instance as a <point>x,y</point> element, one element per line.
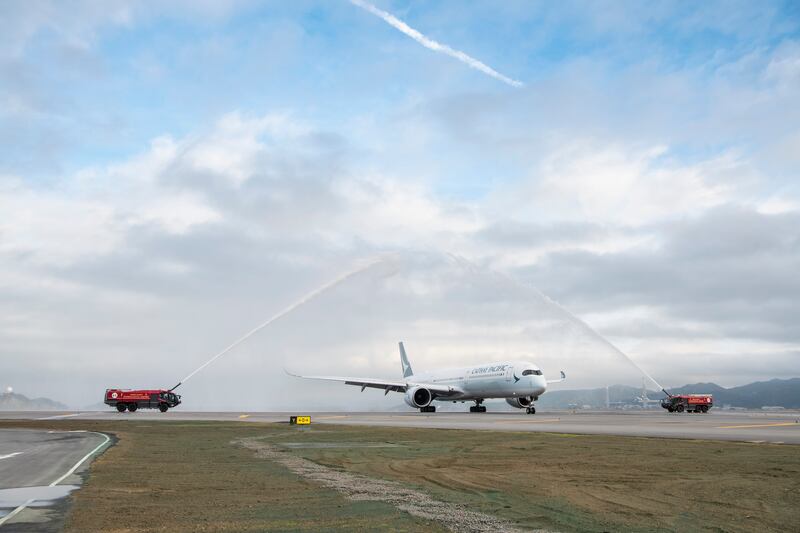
<point>197,476</point>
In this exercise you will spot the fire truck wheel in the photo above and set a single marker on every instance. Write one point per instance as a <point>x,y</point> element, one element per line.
<point>670,409</point>
<point>679,408</point>
<point>163,408</point>
<point>132,407</point>
<point>121,407</point>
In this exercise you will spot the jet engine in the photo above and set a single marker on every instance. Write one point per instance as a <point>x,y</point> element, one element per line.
<point>418,397</point>
<point>520,403</point>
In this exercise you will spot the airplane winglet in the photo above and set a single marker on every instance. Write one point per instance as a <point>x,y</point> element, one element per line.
<point>290,374</point>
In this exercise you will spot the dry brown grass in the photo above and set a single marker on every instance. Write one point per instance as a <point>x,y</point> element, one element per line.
<point>186,476</point>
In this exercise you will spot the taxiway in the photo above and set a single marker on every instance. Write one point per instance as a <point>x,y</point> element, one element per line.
<point>38,470</point>
<point>751,426</point>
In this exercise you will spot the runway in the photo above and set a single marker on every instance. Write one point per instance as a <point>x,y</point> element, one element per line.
<point>38,469</point>
<point>749,426</point>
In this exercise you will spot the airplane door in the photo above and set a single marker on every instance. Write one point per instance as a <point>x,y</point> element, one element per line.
<point>509,372</point>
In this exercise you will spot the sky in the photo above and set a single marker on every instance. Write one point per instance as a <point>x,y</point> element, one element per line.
<point>173,174</point>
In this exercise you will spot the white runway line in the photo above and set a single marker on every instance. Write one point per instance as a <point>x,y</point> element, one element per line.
<point>59,416</point>
<point>8,456</point>
<point>59,480</point>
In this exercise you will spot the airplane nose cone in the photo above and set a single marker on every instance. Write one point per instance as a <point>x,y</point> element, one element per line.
<point>540,384</point>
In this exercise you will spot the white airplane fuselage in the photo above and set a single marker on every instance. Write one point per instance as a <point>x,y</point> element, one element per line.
<point>508,379</point>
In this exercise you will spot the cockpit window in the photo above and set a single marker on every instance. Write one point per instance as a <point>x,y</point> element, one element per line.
<point>530,372</point>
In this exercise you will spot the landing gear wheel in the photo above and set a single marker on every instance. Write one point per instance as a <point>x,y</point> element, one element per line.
<point>531,410</point>
<point>121,407</point>
<point>478,408</point>
<point>428,409</point>
<point>163,407</point>
<point>132,407</point>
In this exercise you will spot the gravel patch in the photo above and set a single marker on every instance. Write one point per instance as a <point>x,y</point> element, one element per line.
<point>359,487</point>
<point>329,445</point>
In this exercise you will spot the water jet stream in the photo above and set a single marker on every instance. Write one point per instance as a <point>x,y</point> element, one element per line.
<point>572,318</point>
<point>305,299</point>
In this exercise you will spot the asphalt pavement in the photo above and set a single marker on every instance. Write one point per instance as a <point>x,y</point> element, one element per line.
<point>747,426</point>
<point>38,471</point>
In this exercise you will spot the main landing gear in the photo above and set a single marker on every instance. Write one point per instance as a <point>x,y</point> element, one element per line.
<point>478,408</point>
<point>531,410</point>
<point>428,409</point>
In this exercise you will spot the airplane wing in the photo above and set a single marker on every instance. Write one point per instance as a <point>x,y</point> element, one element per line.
<point>563,377</point>
<point>386,385</point>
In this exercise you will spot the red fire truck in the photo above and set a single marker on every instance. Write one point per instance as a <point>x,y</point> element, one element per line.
<point>690,403</point>
<point>132,400</point>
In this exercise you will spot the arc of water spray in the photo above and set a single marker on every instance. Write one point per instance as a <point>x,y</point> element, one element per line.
<point>586,327</point>
<point>572,318</point>
<point>305,299</point>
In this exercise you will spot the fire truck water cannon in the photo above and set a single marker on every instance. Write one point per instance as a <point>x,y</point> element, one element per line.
<point>131,400</point>
<point>163,400</point>
<point>689,403</point>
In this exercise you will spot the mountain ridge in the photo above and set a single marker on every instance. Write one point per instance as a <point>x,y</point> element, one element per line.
<point>11,401</point>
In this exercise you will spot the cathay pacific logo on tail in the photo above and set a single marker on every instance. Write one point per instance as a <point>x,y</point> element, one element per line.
<point>404,362</point>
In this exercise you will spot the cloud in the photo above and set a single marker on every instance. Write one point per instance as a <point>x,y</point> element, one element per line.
<point>252,226</point>
<point>287,205</point>
<point>433,45</point>
<point>654,198</point>
<point>626,185</point>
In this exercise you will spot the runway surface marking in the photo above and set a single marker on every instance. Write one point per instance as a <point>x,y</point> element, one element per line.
<point>9,455</point>
<point>244,416</point>
<point>528,421</point>
<point>329,417</point>
<point>19,509</point>
<point>759,425</point>
<point>59,416</point>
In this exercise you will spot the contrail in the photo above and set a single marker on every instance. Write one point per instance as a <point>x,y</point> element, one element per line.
<point>298,303</point>
<point>433,45</point>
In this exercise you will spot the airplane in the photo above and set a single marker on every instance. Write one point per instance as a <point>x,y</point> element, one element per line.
<point>520,383</point>
<point>644,400</point>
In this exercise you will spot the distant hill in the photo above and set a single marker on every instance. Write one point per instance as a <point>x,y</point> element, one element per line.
<point>10,401</point>
<point>776,392</point>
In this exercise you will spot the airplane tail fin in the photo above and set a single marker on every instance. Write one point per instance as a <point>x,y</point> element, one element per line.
<point>404,362</point>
